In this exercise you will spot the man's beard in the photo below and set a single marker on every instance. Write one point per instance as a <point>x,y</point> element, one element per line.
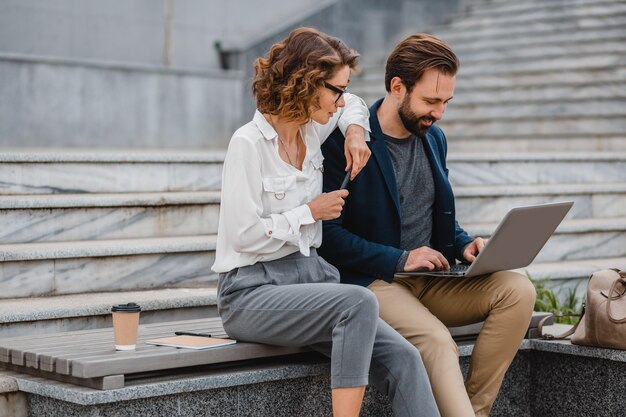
<point>411,122</point>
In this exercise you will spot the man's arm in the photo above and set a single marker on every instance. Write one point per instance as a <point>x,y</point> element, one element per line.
<point>341,247</point>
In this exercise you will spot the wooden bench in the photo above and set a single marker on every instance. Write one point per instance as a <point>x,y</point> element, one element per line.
<point>88,357</point>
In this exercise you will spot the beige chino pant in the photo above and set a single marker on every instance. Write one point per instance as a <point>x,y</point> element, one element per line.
<point>421,309</point>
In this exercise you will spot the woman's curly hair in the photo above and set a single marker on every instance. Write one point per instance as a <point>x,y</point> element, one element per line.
<point>286,82</point>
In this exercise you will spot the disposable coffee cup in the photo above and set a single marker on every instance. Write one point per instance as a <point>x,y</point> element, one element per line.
<point>125,325</point>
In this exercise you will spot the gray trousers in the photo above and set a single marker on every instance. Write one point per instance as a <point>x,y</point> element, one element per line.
<point>298,301</point>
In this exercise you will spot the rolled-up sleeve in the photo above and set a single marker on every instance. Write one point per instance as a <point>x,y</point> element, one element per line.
<point>287,226</point>
<point>355,112</point>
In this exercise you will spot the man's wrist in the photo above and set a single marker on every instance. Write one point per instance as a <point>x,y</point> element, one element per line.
<point>402,261</point>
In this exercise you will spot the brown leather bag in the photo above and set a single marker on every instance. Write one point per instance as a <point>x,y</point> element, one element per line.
<point>603,321</point>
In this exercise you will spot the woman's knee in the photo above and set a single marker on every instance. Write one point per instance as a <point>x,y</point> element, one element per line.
<point>362,298</point>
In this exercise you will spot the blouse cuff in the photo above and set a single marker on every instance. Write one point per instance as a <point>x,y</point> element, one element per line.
<point>286,227</point>
<point>357,114</point>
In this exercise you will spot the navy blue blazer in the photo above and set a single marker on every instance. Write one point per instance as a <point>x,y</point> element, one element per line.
<point>364,242</point>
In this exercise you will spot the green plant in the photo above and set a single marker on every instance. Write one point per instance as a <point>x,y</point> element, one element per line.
<point>548,301</point>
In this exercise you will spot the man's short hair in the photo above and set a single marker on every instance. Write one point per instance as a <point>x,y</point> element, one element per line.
<point>416,54</point>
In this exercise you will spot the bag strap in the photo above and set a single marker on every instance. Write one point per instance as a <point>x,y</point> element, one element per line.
<point>611,298</point>
<point>571,331</point>
<point>563,335</point>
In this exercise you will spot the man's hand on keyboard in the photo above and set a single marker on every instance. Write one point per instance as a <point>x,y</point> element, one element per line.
<point>425,258</point>
<point>473,249</point>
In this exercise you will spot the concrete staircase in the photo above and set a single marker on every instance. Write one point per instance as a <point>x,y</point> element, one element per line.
<point>80,230</point>
<point>539,115</point>
<point>68,254</point>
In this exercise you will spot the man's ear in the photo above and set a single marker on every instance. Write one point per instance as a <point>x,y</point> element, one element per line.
<point>398,89</point>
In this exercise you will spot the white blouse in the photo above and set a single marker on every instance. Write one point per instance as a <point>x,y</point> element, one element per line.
<point>264,213</point>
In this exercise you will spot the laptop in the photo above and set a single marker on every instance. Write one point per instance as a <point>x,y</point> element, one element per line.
<point>515,243</point>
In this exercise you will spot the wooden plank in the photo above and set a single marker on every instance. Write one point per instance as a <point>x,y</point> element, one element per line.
<point>102,383</point>
<point>12,349</point>
<point>46,357</point>
<point>62,363</point>
<point>14,340</point>
<point>90,355</point>
<point>43,357</point>
<point>107,340</point>
<point>170,358</point>
<point>17,356</point>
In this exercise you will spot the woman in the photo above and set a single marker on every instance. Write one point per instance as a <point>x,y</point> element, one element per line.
<point>273,288</point>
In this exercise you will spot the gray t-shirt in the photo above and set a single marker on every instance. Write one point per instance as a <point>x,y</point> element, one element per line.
<point>416,189</point>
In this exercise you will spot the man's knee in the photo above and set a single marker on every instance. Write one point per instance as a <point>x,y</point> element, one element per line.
<point>524,289</point>
<point>517,288</point>
<point>527,291</point>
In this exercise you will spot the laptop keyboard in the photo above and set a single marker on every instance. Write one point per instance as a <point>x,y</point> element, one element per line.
<point>459,267</point>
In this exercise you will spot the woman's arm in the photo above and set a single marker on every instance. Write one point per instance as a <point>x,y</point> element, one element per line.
<point>353,121</point>
<point>355,112</point>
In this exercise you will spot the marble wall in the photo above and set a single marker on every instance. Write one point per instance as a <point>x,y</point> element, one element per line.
<point>53,103</point>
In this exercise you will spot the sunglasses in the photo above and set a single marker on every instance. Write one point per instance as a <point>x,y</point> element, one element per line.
<point>336,90</point>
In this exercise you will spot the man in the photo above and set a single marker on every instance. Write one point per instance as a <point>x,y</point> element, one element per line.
<point>400,217</point>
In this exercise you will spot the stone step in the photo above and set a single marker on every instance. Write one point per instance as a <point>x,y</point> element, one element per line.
<point>516,142</point>
<point>491,203</point>
<point>575,125</point>
<point>598,62</point>
<point>597,122</point>
<point>466,48</point>
<point>57,218</point>
<point>33,171</point>
<point>507,7</point>
<point>19,316</point>
<point>523,28</point>
<point>55,268</point>
<point>62,217</point>
<point>575,239</point>
<point>592,91</point>
<point>545,63</point>
<point>89,311</point>
<point>563,12</point>
<point>124,267</point>
<point>25,219</point>
<point>557,111</point>
<point>536,168</point>
<point>557,77</point>
<point>571,275</point>
<point>554,272</point>
<point>371,80</point>
<point>539,50</point>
